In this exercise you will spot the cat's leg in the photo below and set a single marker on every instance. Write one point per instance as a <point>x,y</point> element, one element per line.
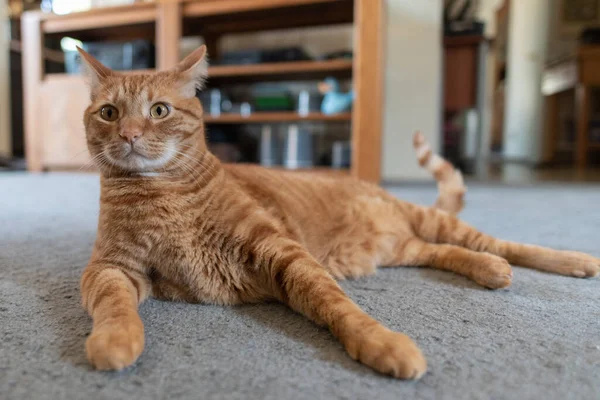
<point>111,295</point>
<point>486,269</point>
<point>436,226</point>
<point>299,281</point>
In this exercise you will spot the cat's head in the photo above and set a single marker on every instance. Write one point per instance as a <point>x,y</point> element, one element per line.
<point>147,122</point>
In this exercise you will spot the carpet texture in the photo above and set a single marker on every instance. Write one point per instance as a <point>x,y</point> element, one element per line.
<point>540,339</point>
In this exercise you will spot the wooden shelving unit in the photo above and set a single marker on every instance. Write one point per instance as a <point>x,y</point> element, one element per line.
<point>52,137</point>
<point>289,71</point>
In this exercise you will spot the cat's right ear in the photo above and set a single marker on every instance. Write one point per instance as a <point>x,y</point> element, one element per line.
<point>192,72</point>
<point>93,69</point>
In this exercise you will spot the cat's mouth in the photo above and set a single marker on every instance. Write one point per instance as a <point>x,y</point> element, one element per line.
<point>133,158</point>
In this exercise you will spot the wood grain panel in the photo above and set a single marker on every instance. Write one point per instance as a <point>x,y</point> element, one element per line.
<point>168,32</point>
<point>368,84</point>
<point>31,35</point>
<point>62,134</point>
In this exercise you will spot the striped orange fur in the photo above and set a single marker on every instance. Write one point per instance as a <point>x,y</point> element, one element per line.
<point>176,224</point>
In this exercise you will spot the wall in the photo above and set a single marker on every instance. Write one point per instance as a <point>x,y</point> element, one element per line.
<point>487,14</point>
<point>559,45</point>
<point>527,47</point>
<point>413,84</point>
<point>5,144</point>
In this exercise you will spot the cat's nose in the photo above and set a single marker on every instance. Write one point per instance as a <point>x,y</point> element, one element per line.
<point>131,134</point>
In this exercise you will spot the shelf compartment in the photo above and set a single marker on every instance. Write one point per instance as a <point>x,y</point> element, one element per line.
<point>297,70</point>
<point>102,17</point>
<point>273,117</point>
<point>217,7</point>
<point>216,17</point>
<point>135,21</point>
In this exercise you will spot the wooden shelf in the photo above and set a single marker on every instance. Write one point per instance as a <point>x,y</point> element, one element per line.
<point>102,17</point>
<point>134,21</point>
<point>260,72</point>
<point>216,7</point>
<point>217,17</point>
<point>48,54</point>
<point>297,70</point>
<point>263,117</point>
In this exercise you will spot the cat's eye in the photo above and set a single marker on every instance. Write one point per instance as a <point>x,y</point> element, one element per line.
<point>109,113</point>
<point>159,110</point>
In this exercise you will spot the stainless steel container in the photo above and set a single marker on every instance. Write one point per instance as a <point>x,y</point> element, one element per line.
<point>297,148</point>
<point>341,154</point>
<point>269,147</point>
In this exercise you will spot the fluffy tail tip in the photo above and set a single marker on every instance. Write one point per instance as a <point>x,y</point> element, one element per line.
<point>418,138</point>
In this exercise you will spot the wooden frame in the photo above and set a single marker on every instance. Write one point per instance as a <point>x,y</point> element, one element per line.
<point>580,74</point>
<point>5,133</point>
<point>368,63</point>
<point>166,21</point>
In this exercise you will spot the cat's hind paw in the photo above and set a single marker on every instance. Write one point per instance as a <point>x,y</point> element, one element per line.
<point>586,268</point>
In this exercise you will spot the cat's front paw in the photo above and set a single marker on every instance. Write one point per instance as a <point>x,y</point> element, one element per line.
<point>115,346</point>
<point>390,353</point>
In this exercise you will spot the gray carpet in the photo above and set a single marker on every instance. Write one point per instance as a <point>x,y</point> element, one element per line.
<point>538,340</point>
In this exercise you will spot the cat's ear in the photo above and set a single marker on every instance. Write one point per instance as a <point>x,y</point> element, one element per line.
<point>95,71</point>
<point>193,71</point>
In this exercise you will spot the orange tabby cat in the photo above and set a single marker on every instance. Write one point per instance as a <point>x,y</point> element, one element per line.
<point>176,224</point>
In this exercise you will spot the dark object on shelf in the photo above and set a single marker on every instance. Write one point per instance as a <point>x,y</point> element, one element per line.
<point>258,56</point>
<point>459,18</point>
<point>594,129</point>
<point>215,103</point>
<point>12,164</point>
<point>273,102</point>
<point>121,56</point>
<point>223,144</point>
<point>340,154</point>
<point>590,36</point>
<point>308,102</point>
<point>336,55</point>
<point>469,28</point>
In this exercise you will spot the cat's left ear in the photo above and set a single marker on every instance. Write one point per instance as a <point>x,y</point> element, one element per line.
<point>193,71</point>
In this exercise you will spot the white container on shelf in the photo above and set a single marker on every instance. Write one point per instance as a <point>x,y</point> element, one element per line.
<point>269,146</point>
<point>298,148</point>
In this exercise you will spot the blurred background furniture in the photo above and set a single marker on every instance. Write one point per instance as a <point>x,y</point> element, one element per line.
<point>465,59</point>
<point>464,89</point>
<point>582,74</point>
<point>54,102</point>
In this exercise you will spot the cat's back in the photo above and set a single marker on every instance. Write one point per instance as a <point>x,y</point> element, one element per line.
<point>302,187</point>
<point>303,200</point>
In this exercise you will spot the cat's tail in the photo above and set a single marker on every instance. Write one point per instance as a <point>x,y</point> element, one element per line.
<point>450,181</point>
